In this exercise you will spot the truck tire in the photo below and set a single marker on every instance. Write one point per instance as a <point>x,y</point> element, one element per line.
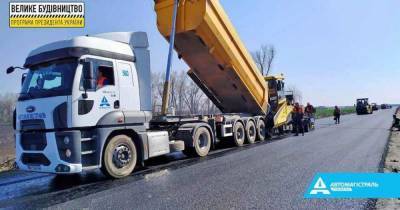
<point>119,157</point>
<point>251,132</point>
<point>201,142</point>
<point>261,130</point>
<point>238,134</point>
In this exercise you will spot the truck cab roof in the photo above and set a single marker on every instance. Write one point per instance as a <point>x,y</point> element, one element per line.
<point>279,77</point>
<point>118,45</point>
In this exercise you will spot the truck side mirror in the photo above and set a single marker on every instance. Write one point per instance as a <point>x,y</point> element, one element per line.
<point>23,77</point>
<point>88,70</point>
<point>89,84</point>
<point>89,76</point>
<point>10,69</point>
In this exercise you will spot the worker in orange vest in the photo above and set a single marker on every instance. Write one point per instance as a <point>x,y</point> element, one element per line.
<point>297,117</point>
<point>336,115</point>
<point>102,80</point>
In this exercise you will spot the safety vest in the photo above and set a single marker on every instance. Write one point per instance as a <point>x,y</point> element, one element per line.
<point>101,81</point>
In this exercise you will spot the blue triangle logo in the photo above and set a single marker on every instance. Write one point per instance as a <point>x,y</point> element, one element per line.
<point>104,102</point>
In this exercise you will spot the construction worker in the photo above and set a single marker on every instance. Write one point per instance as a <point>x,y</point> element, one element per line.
<point>309,112</point>
<point>336,115</point>
<point>101,79</point>
<point>39,83</point>
<point>298,119</point>
<point>309,109</point>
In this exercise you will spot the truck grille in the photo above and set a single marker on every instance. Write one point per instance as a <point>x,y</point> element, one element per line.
<point>35,141</point>
<point>32,125</point>
<point>34,159</point>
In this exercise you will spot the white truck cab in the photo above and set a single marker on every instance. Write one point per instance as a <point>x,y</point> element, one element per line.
<point>65,113</point>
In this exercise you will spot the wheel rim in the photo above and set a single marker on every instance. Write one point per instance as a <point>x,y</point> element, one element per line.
<point>262,130</point>
<point>122,155</point>
<point>203,141</point>
<point>240,134</point>
<point>252,131</point>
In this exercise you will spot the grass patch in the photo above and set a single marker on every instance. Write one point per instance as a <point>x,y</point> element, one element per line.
<point>321,112</point>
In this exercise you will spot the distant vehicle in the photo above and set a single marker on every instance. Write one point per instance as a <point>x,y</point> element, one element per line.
<point>363,107</point>
<point>374,106</point>
<point>386,106</point>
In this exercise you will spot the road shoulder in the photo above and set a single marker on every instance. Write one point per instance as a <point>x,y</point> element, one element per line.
<point>391,165</point>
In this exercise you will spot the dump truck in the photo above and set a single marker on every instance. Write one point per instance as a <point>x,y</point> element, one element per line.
<point>281,105</point>
<point>363,107</point>
<point>85,103</point>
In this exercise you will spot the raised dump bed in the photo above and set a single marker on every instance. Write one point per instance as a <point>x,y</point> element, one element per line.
<point>220,64</point>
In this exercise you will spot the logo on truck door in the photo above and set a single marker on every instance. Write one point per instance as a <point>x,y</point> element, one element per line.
<point>104,103</point>
<point>125,73</point>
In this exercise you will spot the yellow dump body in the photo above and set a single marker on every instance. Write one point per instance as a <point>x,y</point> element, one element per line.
<point>219,62</point>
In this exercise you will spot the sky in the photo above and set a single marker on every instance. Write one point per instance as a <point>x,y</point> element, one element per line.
<point>333,51</point>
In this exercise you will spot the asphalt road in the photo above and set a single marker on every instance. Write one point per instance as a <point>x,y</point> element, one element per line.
<point>270,175</point>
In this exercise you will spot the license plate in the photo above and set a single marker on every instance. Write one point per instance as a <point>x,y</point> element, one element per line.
<point>34,167</point>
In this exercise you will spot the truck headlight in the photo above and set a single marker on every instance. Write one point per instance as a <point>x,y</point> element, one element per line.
<point>68,153</point>
<point>66,140</point>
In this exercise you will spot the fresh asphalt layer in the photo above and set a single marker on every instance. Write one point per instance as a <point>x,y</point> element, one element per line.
<point>270,175</point>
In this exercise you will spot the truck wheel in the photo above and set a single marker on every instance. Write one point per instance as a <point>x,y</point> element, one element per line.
<point>261,130</point>
<point>238,134</point>
<point>119,157</point>
<point>201,142</point>
<point>251,132</point>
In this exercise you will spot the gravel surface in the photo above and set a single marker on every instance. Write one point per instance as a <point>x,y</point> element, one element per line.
<point>392,165</point>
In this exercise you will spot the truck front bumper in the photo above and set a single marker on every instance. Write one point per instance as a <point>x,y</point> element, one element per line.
<point>50,152</point>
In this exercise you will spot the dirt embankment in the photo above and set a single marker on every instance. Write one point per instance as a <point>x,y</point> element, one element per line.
<point>392,165</point>
<point>7,148</point>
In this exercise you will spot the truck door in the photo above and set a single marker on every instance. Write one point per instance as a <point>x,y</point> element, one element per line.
<point>273,94</point>
<point>101,100</point>
<point>128,86</point>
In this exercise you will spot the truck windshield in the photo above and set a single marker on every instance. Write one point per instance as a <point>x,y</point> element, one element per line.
<point>49,79</point>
